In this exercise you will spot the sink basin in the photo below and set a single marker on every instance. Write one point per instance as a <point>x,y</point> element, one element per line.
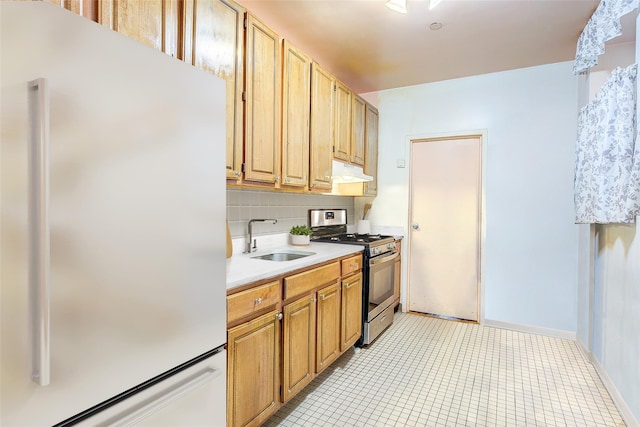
<point>283,255</point>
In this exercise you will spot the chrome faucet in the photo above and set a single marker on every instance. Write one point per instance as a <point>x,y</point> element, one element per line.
<point>250,247</point>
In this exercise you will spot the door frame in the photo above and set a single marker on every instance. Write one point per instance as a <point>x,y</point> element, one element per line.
<point>482,134</point>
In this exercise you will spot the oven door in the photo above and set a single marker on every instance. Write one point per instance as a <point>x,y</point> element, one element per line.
<point>380,287</point>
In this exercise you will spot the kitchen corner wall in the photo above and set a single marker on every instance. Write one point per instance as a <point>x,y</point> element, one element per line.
<point>288,208</point>
<point>530,116</point>
<point>609,298</point>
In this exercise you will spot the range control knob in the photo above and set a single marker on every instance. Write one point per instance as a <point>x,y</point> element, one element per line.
<point>375,251</point>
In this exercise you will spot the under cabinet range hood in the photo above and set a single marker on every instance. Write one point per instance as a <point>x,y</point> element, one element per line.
<point>343,173</point>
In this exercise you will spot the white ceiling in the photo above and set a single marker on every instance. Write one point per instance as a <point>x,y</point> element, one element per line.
<point>369,47</point>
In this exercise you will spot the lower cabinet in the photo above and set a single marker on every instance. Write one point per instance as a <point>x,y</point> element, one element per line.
<point>276,354</point>
<point>328,338</point>
<point>253,370</point>
<point>351,322</point>
<point>299,345</point>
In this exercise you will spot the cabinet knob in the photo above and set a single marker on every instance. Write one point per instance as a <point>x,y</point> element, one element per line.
<point>279,316</point>
<point>258,300</point>
<point>313,299</point>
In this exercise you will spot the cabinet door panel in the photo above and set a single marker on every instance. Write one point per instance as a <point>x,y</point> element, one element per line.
<point>328,338</point>
<point>152,22</point>
<point>253,366</point>
<point>296,101</point>
<point>342,119</point>
<point>81,7</point>
<point>214,42</point>
<point>262,118</point>
<point>359,107</point>
<point>351,326</point>
<point>371,150</point>
<point>299,345</point>
<point>321,130</point>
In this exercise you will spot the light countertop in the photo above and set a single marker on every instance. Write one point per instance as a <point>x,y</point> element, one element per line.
<point>241,269</point>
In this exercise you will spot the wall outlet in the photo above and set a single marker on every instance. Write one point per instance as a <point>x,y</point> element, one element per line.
<point>400,163</point>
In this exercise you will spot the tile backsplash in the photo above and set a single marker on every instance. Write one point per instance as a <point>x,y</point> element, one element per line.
<point>288,208</point>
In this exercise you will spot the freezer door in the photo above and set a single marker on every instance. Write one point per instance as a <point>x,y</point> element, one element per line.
<point>136,213</point>
<point>194,397</point>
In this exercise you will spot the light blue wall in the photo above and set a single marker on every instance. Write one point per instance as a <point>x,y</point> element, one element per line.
<point>531,241</point>
<point>616,314</point>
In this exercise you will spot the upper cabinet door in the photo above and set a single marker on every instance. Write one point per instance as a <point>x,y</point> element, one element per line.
<point>342,119</point>
<point>214,42</point>
<point>296,101</point>
<point>371,150</point>
<point>82,8</point>
<point>321,130</point>
<point>262,112</point>
<point>358,130</point>
<point>152,22</point>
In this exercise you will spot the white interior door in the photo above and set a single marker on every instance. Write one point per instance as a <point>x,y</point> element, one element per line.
<point>445,227</point>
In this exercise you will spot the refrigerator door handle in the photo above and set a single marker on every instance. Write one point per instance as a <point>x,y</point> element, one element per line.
<point>39,291</point>
<point>147,408</point>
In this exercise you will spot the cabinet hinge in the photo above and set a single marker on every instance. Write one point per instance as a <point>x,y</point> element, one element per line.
<point>243,168</point>
<point>333,148</point>
<point>244,96</point>
<point>245,22</point>
<point>335,87</point>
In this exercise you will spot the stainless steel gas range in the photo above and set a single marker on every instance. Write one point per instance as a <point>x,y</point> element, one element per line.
<point>379,255</point>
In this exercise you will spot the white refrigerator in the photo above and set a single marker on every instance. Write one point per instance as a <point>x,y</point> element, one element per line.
<point>112,230</point>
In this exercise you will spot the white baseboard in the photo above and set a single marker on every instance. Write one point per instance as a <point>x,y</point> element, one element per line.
<point>622,406</point>
<point>556,333</point>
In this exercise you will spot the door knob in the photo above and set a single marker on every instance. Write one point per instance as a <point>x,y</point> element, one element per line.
<point>415,226</point>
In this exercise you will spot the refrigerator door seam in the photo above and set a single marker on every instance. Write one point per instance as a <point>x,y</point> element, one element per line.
<point>135,416</point>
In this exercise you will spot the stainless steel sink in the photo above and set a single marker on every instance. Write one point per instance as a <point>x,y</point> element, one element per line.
<point>283,255</point>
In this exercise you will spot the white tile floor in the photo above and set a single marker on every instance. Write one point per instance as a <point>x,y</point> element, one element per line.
<point>425,371</point>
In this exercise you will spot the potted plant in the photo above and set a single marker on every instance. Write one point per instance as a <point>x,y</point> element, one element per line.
<point>300,235</point>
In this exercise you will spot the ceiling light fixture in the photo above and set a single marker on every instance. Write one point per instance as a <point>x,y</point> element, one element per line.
<point>434,3</point>
<point>398,5</point>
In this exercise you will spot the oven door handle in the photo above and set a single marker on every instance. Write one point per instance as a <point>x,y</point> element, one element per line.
<point>374,261</point>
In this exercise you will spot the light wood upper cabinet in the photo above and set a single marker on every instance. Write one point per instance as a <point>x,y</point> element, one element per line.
<point>253,379</point>
<point>371,150</point>
<point>296,102</point>
<point>328,338</point>
<point>86,8</point>
<point>299,345</point>
<point>152,22</point>
<point>214,42</point>
<point>342,122</point>
<point>358,109</point>
<point>321,129</point>
<point>262,106</point>
<point>351,326</point>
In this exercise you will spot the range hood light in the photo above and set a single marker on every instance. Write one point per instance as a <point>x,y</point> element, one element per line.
<point>343,173</point>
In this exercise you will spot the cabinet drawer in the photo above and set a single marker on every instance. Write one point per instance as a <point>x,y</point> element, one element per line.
<point>301,283</point>
<point>252,300</point>
<point>351,265</point>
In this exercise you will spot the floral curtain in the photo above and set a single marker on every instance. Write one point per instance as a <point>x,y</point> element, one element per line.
<point>604,25</point>
<point>607,172</point>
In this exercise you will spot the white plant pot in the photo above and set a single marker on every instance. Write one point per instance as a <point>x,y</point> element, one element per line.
<point>298,240</point>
